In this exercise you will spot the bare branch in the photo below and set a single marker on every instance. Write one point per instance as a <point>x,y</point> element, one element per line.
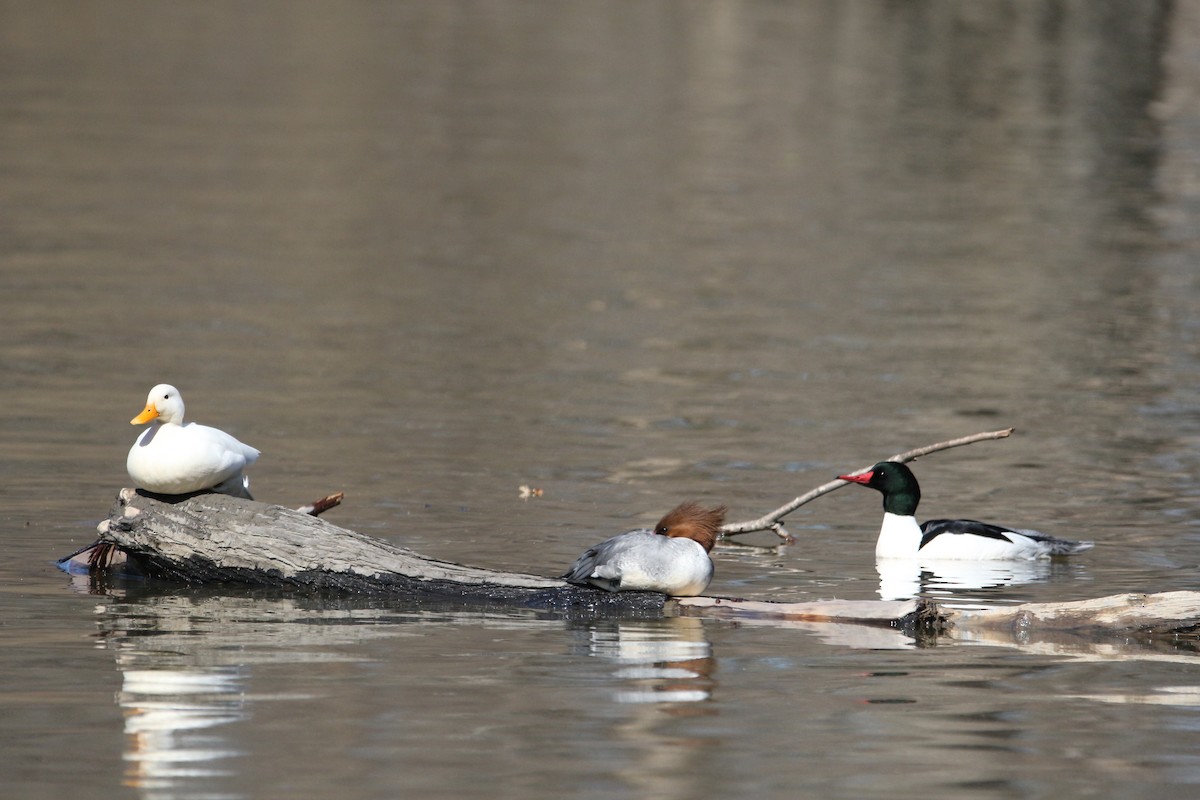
<point>773,522</point>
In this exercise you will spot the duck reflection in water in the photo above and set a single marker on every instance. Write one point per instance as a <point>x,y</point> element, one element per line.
<point>171,717</point>
<point>906,579</point>
<point>659,661</point>
<point>665,670</point>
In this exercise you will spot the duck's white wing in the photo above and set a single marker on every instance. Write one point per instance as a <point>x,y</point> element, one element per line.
<point>177,459</point>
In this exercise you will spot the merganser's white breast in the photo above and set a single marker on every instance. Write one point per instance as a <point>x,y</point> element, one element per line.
<point>173,457</point>
<point>672,559</point>
<point>899,537</point>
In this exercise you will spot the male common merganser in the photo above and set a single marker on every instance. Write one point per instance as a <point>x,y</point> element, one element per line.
<point>951,539</point>
<point>174,458</point>
<point>672,558</point>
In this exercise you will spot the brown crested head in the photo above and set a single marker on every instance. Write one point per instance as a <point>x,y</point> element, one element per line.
<point>693,521</point>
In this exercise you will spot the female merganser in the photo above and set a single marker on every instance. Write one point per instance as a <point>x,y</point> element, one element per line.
<point>672,558</point>
<point>951,539</point>
<point>174,458</point>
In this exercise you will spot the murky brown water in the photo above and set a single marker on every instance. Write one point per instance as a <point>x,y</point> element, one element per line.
<point>630,254</point>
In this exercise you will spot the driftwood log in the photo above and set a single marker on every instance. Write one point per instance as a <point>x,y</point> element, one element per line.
<point>213,540</point>
<point>219,540</point>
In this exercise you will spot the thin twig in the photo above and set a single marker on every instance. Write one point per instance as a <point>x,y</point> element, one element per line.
<point>318,507</point>
<point>773,521</point>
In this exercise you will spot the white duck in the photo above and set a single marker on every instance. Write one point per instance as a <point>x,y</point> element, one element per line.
<point>176,458</point>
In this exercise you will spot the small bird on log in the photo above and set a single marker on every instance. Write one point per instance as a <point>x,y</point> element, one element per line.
<point>951,539</point>
<point>174,457</point>
<point>672,558</point>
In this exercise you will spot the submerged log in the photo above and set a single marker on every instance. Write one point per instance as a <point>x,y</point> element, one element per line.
<point>1174,614</point>
<point>1133,619</point>
<point>914,618</point>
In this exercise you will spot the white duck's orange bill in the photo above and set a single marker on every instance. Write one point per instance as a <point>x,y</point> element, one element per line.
<point>148,414</point>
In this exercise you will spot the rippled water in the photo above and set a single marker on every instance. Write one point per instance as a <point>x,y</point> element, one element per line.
<point>627,254</point>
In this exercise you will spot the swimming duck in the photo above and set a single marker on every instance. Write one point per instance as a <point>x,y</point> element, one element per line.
<point>172,457</point>
<point>952,539</point>
<point>672,558</point>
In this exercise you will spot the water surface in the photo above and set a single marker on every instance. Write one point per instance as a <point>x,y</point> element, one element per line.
<point>629,254</point>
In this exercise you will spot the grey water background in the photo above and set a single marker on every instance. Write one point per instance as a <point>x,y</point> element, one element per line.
<point>628,254</point>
